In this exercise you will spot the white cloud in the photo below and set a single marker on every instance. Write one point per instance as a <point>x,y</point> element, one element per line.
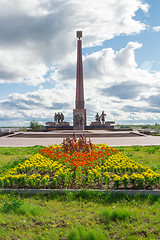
<point>38,33</point>
<point>112,81</point>
<point>38,36</point>
<point>147,65</point>
<point>102,64</point>
<point>156,29</point>
<point>18,66</point>
<point>40,105</point>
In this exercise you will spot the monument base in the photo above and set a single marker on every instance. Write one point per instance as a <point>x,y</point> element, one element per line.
<point>96,123</point>
<point>50,126</point>
<point>109,125</point>
<point>57,124</point>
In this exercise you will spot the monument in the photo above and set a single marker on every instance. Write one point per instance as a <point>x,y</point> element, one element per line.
<point>58,123</point>
<point>100,122</point>
<point>79,113</point>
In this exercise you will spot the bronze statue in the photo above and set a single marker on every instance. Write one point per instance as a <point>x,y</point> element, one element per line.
<point>55,117</point>
<point>100,119</point>
<point>97,117</point>
<point>59,117</point>
<point>103,117</point>
<point>62,117</point>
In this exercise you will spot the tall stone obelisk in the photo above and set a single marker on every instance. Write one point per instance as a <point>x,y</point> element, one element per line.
<point>79,113</point>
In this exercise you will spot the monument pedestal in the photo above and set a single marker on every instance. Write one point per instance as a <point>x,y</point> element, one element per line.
<point>50,126</point>
<point>109,125</point>
<point>96,123</point>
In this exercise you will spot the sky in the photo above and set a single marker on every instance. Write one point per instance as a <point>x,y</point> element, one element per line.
<point>121,60</point>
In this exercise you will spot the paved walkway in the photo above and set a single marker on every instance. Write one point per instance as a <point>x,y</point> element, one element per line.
<point>111,141</point>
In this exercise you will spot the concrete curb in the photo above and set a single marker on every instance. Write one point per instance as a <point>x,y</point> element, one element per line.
<point>48,191</point>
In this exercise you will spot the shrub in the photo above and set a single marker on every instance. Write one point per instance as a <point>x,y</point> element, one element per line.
<point>76,145</point>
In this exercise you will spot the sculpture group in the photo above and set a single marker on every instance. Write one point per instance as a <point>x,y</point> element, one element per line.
<point>59,117</point>
<point>78,120</point>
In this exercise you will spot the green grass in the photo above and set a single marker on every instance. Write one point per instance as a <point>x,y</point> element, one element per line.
<point>147,156</point>
<point>82,216</point>
<point>11,156</point>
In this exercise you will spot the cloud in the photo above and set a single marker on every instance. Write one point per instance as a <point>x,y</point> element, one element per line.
<point>42,98</point>
<point>115,114</point>
<point>113,81</point>
<point>101,63</point>
<point>37,36</point>
<point>156,29</point>
<point>132,109</point>
<point>21,66</point>
<point>39,105</point>
<point>124,90</point>
<point>118,89</point>
<point>154,100</point>
<point>147,65</point>
<point>38,44</point>
<point>57,106</point>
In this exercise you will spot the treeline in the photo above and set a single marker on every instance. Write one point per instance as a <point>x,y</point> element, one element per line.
<point>152,126</point>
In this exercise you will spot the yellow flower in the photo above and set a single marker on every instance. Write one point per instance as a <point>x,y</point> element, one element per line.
<point>125,177</point>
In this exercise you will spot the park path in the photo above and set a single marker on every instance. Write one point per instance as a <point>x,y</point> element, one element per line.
<point>111,141</point>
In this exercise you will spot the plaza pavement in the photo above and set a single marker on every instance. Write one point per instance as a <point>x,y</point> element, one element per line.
<point>144,140</point>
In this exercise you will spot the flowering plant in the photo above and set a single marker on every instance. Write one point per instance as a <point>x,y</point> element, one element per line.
<point>79,164</point>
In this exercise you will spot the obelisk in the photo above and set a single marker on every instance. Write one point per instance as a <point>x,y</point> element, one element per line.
<point>79,113</point>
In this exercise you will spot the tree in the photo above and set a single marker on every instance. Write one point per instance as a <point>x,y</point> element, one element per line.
<point>35,125</point>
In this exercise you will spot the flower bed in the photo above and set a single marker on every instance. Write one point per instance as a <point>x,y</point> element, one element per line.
<point>80,164</point>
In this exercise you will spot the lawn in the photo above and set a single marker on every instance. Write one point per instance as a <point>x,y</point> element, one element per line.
<point>83,215</point>
<point>147,156</point>
<point>80,215</point>
<point>10,156</point>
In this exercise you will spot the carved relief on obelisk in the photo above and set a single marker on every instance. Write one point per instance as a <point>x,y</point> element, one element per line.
<point>79,113</point>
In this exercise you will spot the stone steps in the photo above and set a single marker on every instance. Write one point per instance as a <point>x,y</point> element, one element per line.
<point>64,135</point>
